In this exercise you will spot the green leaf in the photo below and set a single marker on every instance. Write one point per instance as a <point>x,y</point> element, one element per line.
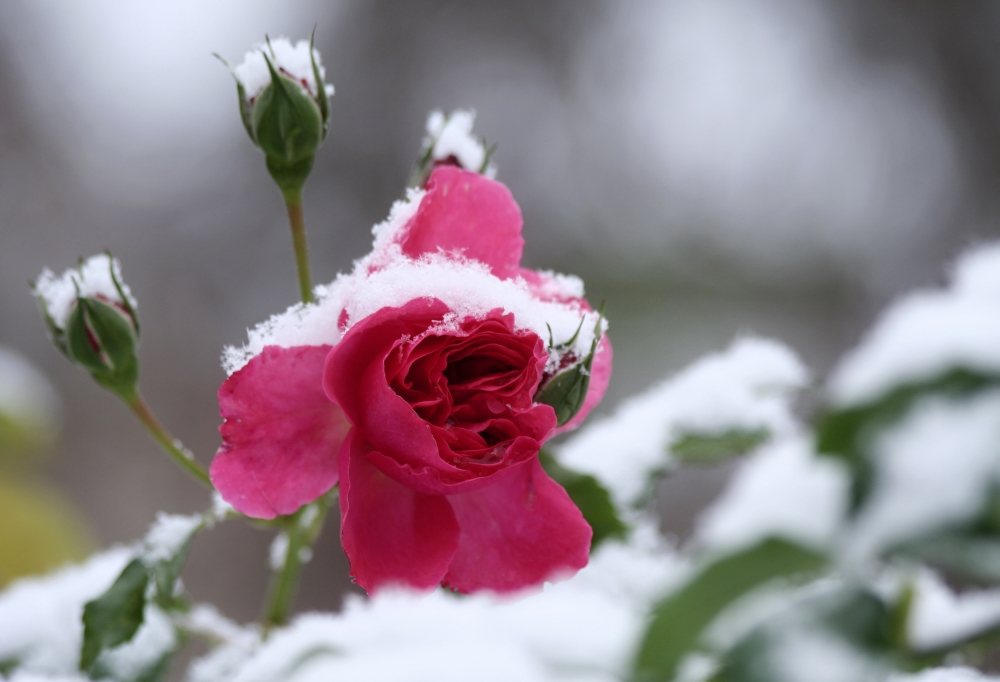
<point>166,572</point>
<point>679,620</point>
<point>700,448</point>
<point>590,496</point>
<point>847,433</point>
<point>114,617</point>
<point>321,98</point>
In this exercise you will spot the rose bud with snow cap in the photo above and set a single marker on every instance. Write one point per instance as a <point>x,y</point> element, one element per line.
<point>449,142</point>
<point>92,319</point>
<point>285,106</point>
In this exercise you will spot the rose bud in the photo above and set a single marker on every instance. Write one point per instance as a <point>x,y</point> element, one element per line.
<point>449,142</point>
<point>91,316</point>
<point>567,390</point>
<point>285,106</point>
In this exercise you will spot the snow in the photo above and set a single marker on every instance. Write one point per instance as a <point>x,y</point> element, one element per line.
<point>782,490</point>
<point>747,387</point>
<point>41,627</point>
<point>811,655</point>
<point>168,534</point>
<point>293,60</point>
<point>278,552</point>
<point>583,629</point>
<point>467,287</point>
<point>928,333</point>
<point>939,617</point>
<point>26,396</point>
<point>451,135</point>
<point>93,278</point>
<point>933,469</point>
<point>944,675</point>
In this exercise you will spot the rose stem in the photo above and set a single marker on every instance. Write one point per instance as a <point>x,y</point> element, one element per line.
<point>171,445</point>
<point>293,202</point>
<point>302,529</point>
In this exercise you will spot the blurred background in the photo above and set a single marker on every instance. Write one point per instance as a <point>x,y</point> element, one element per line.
<point>710,168</point>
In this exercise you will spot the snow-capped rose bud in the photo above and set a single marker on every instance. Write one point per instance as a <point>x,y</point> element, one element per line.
<point>285,106</point>
<point>91,316</point>
<point>449,142</point>
<point>566,390</point>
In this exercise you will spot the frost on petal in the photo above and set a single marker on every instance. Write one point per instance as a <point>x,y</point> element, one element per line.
<point>748,387</point>
<point>93,278</point>
<point>517,532</point>
<point>469,215</point>
<point>281,434</point>
<point>928,333</point>
<point>782,490</point>
<point>393,535</point>
<point>933,469</point>
<point>290,60</point>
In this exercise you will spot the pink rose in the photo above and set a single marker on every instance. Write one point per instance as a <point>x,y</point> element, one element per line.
<point>422,402</point>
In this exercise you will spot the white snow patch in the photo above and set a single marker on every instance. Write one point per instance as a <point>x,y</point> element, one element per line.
<point>932,469</point>
<point>944,675</point>
<point>293,60</point>
<point>93,278</point>
<point>811,655</point>
<point>41,627</point>
<point>451,135</point>
<point>278,552</point>
<point>168,534</point>
<point>747,387</point>
<point>939,617</point>
<point>928,333</point>
<point>782,490</point>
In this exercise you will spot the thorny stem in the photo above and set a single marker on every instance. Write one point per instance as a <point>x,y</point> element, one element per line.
<point>171,445</point>
<point>296,220</point>
<point>302,528</point>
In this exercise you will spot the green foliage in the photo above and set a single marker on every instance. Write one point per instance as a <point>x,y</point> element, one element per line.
<point>592,499</point>
<point>679,620</point>
<point>847,433</point>
<point>114,617</point>
<point>700,448</point>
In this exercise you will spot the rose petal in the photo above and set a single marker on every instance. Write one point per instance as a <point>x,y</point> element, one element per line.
<point>392,534</point>
<point>516,533</point>
<point>281,434</point>
<point>600,375</point>
<point>470,214</point>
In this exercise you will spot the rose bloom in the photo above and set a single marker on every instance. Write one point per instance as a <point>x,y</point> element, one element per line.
<point>412,382</point>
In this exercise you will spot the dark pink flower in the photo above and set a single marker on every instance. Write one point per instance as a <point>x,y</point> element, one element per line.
<point>423,404</point>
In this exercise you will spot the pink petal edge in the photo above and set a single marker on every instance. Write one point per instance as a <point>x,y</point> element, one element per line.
<point>280,434</point>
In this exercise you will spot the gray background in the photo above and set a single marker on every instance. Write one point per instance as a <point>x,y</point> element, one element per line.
<point>709,168</point>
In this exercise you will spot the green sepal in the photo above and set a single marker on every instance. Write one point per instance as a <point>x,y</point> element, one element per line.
<point>289,176</point>
<point>590,497</point>
<point>114,617</point>
<point>287,122</point>
<point>102,339</point>
<point>321,99</point>
<point>679,620</point>
<point>567,390</point>
<point>700,448</point>
<point>57,335</point>
<point>246,109</point>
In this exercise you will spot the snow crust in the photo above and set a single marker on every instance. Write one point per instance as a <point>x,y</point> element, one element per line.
<point>747,387</point>
<point>291,59</point>
<point>932,469</point>
<point>781,490</point>
<point>583,629</point>
<point>451,135</point>
<point>387,278</point>
<point>939,617</point>
<point>25,394</point>
<point>93,278</point>
<point>928,333</point>
<point>168,534</point>
<point>41,627</point>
